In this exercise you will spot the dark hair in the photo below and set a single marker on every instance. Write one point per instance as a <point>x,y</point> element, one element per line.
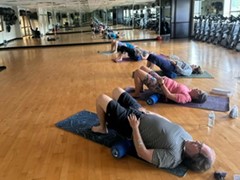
<point>201,98</point>
<point>197,70</point>
<point>144,53</point>
<point>198,163</point>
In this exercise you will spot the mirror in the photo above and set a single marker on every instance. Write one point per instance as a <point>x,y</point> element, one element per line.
<point>206,8</point>
<point>71,25</point>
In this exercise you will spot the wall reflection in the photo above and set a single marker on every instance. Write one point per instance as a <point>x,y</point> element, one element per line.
<point>134,21</point>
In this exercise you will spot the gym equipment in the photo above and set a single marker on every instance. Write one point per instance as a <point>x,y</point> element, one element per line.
<point>221,91</point>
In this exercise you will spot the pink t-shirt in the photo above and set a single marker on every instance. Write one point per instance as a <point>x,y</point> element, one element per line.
<point>181,91</point>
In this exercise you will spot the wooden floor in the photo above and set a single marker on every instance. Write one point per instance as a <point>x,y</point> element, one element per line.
<point>42,86</point>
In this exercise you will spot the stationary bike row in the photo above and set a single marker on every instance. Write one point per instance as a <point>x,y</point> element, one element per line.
<point>218,30</point>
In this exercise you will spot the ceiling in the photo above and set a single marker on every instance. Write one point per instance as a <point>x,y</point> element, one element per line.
<point>74,5</point>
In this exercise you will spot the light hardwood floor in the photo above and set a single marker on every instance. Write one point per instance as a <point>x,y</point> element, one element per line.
<point>43,86</point>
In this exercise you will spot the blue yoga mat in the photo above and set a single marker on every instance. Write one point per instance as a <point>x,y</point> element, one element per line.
<point>81,123</point>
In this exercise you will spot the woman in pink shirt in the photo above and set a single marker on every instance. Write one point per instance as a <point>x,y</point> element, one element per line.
<point>173,90</point>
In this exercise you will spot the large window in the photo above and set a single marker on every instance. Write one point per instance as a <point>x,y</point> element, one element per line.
<point>1,23</point>
<point>197,8</point>
<point>235,7</point>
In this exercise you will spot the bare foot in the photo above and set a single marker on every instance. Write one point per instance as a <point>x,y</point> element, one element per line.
<point>117,60</point>
<point>99,129</point>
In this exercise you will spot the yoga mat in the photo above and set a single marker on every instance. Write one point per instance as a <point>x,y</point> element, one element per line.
<point>205,74</point>
<point>2,68</point>
<point>215,103</point>
<point>81,123</point>
<point>105,52</point>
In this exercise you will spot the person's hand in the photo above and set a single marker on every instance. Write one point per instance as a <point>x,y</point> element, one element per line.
<point>133,121</point>
<point>173,62</point>
<point>160,80</point>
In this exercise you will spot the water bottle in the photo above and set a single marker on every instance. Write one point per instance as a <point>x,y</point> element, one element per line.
<point>234,112</point>
<point>211,119</point>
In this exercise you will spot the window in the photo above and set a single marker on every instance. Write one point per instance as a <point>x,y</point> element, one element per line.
<point>235,7</point>
<point>197,8</point>
<point>1,23</point>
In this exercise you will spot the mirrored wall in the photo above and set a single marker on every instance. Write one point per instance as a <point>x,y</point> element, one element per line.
<point>71,26</point>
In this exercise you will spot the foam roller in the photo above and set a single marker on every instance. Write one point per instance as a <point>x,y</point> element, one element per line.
<point>153,99</point>
<point>220,91</point>
<point>121,148</point>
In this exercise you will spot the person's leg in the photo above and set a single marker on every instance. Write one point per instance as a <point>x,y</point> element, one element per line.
<point>124,99</point>
<point>150,71</point>
<point>122,49</point>
<point>101,108</point>
<point>113,45</point>
<point>139,76</point>
<point>150,65</point>
<point>145,69</point>
<point>165,64</point>
<point>116,46</point>
<point>120,57</point>
<point>112,114</point>
<point>116,93</point>
<point>145,76</point>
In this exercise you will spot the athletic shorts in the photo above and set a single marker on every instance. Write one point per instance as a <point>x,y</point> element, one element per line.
<point>118,112</point>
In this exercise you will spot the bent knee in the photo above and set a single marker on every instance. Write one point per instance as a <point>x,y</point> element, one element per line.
<point>103,100</point>
<point>142,67</point>
<point>117,92</point>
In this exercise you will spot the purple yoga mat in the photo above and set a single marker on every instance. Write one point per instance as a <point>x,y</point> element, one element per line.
<point>215,103</point>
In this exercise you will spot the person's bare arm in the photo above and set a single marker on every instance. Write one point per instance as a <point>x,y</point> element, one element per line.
<point>140,147</point>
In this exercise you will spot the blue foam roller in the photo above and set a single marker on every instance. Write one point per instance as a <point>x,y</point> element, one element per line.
<point>153,99</point>
<point>120,149</point>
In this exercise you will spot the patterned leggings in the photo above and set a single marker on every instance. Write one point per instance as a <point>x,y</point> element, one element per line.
<point>151,82</point>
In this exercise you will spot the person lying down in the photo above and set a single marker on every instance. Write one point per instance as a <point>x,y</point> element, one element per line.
<point>156,139</point>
